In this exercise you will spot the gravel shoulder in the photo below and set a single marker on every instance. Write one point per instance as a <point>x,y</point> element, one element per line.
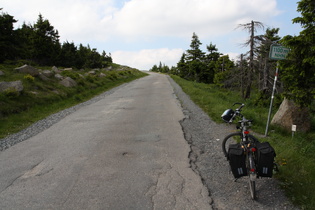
<point>207,160</point>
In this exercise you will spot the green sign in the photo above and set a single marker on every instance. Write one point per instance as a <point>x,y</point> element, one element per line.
<point>278,52</point>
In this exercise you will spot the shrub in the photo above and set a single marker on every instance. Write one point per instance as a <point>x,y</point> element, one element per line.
<point>11,93</point>
<point>29,78</point>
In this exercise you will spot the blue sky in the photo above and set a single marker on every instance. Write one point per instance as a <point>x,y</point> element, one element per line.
<point>141,33</point>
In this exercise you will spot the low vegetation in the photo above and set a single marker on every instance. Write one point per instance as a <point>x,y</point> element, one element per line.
<point>41,98</point>
<point>295,154</point>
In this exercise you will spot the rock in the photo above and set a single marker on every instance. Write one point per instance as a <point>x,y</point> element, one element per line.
<point>28,70</point>
<point>1,73</point>
<point>102,75</point>
<point>48,73</point>
<point>289,114</point>
<point>34,92</point>
<point>109,68</point>
<point>55,69</point>
<point>17,85</point>
<point>92,72</point>
<point>68,69</point>
<point>68,82</point>
<point>43,77</point>
<point>58,76</point>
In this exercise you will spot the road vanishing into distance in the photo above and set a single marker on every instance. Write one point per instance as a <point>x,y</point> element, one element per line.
<point>142,145</point>
<point>125,151</point>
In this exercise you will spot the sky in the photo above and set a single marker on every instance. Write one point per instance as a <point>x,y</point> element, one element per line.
<point>143,33</point>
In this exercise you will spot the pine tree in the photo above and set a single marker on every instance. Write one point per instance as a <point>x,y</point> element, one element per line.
<point>266,66</point>
<point>194,53</point>
<point>298,70</point>
<point>7,38</point>
<point>182,67</point>
<point>45,42</point>
<point>194,59</point>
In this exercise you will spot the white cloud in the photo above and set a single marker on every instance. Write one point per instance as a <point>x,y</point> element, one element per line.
<point>234,56</point>
<point>102,19</point>
<point>139,23</point>
<point>182,17</point>
<point>145,59</point>
<point>76,20</point>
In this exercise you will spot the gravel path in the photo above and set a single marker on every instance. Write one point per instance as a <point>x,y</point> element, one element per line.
<point>207,159</point>
<point>206,156</point>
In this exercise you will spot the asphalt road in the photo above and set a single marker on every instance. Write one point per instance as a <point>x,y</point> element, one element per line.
<point>126,151</point>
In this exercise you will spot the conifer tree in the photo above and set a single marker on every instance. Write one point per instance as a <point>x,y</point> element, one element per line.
<point>298,70</point>
<point>7,38</point>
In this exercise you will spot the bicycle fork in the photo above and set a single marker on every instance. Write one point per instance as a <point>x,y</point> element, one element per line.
<point>250,150</point>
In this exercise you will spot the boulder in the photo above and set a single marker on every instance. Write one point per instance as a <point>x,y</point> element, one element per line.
<point>48,73</point>
<point>102,75</point>
<point>92,72</point>
<point>28,70</point>
<point>290,114</point>
<point>55,69</point>
<point>109,68</point>
<point>17,85</point>
<point>43,77</point>
<point>68,69</point>
<point>1,73</point>
<point>58,76</point>
<point>68,82</point>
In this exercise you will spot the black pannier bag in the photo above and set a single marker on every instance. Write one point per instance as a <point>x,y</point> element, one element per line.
<point>265,159</point>
<point>236,158</point>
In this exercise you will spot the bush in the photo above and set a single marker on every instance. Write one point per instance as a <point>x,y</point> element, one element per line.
<point>11,93</point>
<point>29,78</point>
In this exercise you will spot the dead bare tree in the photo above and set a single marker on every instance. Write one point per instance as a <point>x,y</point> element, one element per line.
<point>251,28</point>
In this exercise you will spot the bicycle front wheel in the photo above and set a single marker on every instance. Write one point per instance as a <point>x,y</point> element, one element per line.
<point>234,138</point>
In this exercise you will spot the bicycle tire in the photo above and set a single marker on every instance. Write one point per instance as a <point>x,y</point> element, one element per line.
<point>251,176</point>
<point>252,187</point>
<point>229,139</point>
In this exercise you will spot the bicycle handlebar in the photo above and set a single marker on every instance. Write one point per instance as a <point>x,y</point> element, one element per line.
<point>240,108</point>
<point>238,113</point>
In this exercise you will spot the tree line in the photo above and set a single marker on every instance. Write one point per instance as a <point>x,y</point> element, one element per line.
<point>39,43</point>
<point>254,69</point>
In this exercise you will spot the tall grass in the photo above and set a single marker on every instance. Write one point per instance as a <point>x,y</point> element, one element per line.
<point>295,154</point>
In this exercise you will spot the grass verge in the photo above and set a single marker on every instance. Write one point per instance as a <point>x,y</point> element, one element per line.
<point>295,155</point>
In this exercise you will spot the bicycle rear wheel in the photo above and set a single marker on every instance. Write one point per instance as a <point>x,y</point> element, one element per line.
<point>251,175</point>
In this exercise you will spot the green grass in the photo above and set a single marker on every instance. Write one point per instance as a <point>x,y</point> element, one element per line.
<point>40,99</point>
<point>295,155</point>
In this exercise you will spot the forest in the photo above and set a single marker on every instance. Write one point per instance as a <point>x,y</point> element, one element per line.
<point>39,44</point>
<point>254,70</point>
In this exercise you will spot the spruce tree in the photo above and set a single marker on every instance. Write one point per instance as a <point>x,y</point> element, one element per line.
<point>298,70</point>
